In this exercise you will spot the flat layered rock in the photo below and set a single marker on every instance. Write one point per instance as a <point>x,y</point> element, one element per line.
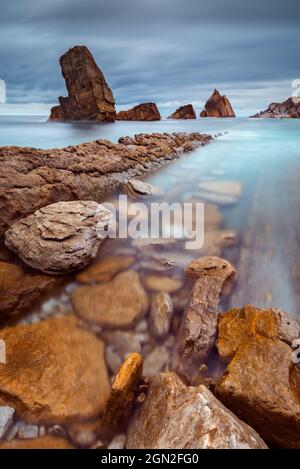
<point>61,237</point>
<point>105,269</point>
<point>141,112</point>
<point>184,112</point>
<point>217,106</point>
<point>54,371</point>
<point>261,383</point>
<point>44,442</point>
<point>198,327</point>
<point>175,416</point>
<point>116,304</point>
<point>31,178</point>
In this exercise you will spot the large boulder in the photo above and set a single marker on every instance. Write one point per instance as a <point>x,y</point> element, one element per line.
<point>184,112</point>
<point>261,383</point>
<point>175,416</point>
<point>288,109</point>
<point>89,96</point>
<point>61,237</point>
<point>217,106</point>
<point>141,112</point>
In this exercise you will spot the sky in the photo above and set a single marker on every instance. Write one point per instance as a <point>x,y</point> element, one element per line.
<point>172,52</point>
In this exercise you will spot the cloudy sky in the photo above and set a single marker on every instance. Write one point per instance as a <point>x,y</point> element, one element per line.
<point>168,51</point>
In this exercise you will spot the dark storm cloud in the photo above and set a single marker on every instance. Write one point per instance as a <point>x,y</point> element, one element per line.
<point>162,50</point>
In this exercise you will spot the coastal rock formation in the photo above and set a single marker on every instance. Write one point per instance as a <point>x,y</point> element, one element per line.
<point>288,109</point>
<point>116,304</point>
<point>261,383</point>
<point>217,106</point>
<point>61,237</point>
<point>175,416</point>
<point>141,112</point>
<point>184,112</point>
<point>54,371</point>
<point>31,179</point>
<point>198,327</point>
<point>89,96</point>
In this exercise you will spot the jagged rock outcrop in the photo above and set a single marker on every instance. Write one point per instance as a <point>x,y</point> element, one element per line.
<point>175,416</point>
<point>288,109</point>
<point>89,96</point>
<point>31,178</point>
<point>184,112</point>
<point>217,106</point>
<point>142,112</point>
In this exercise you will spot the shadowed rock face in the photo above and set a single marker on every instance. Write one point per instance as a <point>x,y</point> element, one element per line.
<point>288,109</point>
<point>184,112</point>
<point>89,96</point>
<point>31,178</point>
<point>142,112</point>
<point>217,106</point>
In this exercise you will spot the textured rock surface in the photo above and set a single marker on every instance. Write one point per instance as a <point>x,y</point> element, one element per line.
<point>288,109</point>
<point>175,416</point>
<point>142,112</point>
<point>261,384</point>
<point>20,291</point>
<point>198,327</point>
<point>162,283</point>
<point>116,304</point>
<point>45,442</point>
<point>217,106</point>
<point>160,314</point>
<point>55,371</point>
<point>139,189</point>
<point>6,419</point>
<point>31,178</point>
<point>89,96</point>
<point>105,269</point>
<point>61,237</point>
<point>184,112</point>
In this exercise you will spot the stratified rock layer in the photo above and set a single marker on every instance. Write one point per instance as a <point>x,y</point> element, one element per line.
<point>142,112</point>
<point>89,96</point>
<point>217,106</point>
<point>31,179</point>
<point>184,112</point>
<point>61,237</point>
<point>175,416</point>
<point>288,109</point>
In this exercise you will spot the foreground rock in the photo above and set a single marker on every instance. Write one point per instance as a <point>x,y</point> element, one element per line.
<point>198,327</point>
<point>89,96</point>
<point>105,269</point>
<point>139,189</point>
<point>175,416</point>
<point>184,112</point>
<point>20,290</point>
<point>44,442</point>
<point>61,237</point>
<point>54,372</point>
<point>31,179</point>
<point>116,304</point>
<point>217,106</point>
<point>288,109</point>
<point>261,384</point>
<point>142,112</point>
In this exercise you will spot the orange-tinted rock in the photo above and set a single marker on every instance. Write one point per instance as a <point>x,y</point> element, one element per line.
<point>217,106</point>
<point>54,371</point>
<point>261,383</point>
<point>288,109</point>
<point>105,269</point>
<point>184,112</point>
<point>162,283</point>
<point>89,96</point>
<point>44,442</point>
<point>142,112</point>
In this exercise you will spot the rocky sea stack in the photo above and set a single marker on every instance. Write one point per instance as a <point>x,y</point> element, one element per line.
<point>217,106</point>
<point>288,109</point>
<point>89,96</point>
<point>142,112</point>
<point>184,112</point>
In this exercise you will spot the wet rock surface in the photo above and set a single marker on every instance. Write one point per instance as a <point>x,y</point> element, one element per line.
<point>31,178</point>
<point>89,96</point>
<point>217,106</point>
<point>61,237</point>
<point>184,112</point>
<point>175,416</point>
<point>141,112</point>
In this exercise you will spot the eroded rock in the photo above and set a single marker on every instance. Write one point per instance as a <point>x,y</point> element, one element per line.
<point>288,109</point>
<point>217,106</point>
<point>184,112</point>
<point>139,189</point>
<point>141,112</point>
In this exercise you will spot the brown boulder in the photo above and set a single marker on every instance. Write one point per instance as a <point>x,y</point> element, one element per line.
<point>105,269</point>
<point>175,416</point>
<point>217,106</point>
<point>142,112</point>
<point>54,371</point>
<point>116,304</point>
<point>261,384</point>
<point>89,96</point>
<point>61,237</point>
<point>184,112</point>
